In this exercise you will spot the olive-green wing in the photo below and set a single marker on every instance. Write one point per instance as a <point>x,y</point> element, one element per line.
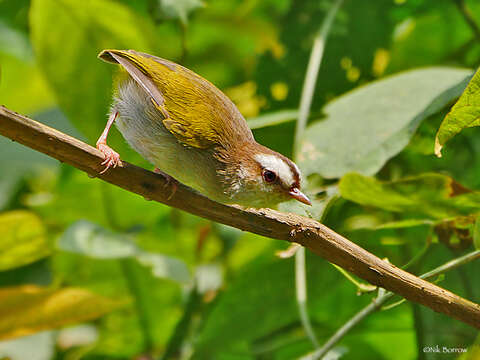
<point>194,110</point>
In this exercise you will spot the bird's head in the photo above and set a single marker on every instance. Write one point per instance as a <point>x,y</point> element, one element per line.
<point>256,176</point>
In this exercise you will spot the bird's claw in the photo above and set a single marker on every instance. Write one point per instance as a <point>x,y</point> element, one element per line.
<point>112,158</point>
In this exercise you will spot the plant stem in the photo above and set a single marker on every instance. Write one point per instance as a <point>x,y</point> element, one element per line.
<point>308,90</point>
<point>380,300</point>
<point>301,287</point>
<point>310,81</point>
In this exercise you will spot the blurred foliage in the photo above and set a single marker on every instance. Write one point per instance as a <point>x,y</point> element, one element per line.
<point>146,281</point>
<point>27,309</point>
<point>23,239</point>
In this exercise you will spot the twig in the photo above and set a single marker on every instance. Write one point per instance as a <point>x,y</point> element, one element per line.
<point>274,224</point>
<point>380,300</point>
<point>467,15</point>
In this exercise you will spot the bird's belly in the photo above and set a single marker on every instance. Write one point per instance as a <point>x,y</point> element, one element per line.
<point>142,127</point>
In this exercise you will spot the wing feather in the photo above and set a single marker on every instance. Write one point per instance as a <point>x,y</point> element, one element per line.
<point>194,110</point>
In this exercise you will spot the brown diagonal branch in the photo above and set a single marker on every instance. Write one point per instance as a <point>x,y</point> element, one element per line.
<point>318,238</point>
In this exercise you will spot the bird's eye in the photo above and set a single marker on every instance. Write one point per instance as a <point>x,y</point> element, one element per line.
<point>269,176</point>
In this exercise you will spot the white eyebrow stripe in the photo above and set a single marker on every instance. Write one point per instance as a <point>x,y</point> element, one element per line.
<point>278,165</point>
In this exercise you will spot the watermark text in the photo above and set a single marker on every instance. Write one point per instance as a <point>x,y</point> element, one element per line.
<point>444,349</point>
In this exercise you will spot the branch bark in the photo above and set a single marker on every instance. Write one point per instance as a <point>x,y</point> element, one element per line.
<point>277,225</point>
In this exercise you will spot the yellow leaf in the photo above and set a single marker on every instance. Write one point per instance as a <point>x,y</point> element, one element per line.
<point>28,309</point>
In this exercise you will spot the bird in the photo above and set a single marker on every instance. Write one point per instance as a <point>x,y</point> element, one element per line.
<point>193,133</point>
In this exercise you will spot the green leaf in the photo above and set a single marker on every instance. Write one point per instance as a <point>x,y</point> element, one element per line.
<point>67,35</point>
<point>369,125</point>
<point>274,118</point>
<point>86,238</point>
<point>23,239</point>
<point>464,114</point>
<point>433,195</point>
<point>28,309</point>
<point>179,8</point>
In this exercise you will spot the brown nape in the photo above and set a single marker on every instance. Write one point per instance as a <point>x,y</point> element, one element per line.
<point>243,155</point>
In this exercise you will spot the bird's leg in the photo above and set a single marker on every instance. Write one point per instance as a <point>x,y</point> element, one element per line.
<point>112,158</point>
<point>170,181</point>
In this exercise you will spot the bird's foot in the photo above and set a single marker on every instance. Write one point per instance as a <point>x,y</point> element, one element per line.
<point>112,158</point>
<point>170,182</point>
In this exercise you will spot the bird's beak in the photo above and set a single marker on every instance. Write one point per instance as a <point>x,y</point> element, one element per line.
<point>298,195</point>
